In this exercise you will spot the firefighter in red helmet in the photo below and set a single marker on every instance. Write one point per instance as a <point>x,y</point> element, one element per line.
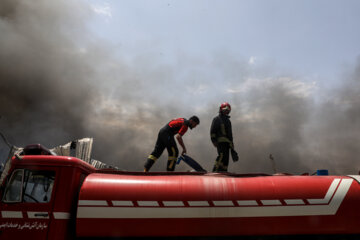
<point>222,138</point>
<point>166,140</point>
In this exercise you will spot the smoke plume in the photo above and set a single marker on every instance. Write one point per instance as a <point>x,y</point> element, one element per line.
<point>58,82</point>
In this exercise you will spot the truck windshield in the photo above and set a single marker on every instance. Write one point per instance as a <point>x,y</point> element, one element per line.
<point>29,186</point>
<point>13,190</point>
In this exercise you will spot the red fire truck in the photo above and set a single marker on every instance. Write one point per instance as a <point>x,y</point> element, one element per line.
<point>59,197</point>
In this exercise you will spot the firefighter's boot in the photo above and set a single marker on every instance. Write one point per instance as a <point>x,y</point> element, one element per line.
<point>150,161</point>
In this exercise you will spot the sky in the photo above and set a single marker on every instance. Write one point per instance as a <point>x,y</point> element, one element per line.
<point>314,39</point>
<point>118,71</point>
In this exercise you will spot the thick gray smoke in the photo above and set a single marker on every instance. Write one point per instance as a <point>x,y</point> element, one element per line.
<point>333,135</point>
<point>46,81</point>
<point>59,83</point>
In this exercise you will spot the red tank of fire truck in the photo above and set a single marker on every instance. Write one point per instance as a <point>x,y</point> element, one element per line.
<point>58,197</point>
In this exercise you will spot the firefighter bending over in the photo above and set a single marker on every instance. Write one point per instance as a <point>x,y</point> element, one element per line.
<point>166,140</point>
<point>222,139</point>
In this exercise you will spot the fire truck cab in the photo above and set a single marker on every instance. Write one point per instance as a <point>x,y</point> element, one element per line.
<point>39,197</point>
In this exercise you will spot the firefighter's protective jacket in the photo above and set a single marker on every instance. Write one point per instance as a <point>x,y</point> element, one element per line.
<point>179,125</point>
<point>221,130</point>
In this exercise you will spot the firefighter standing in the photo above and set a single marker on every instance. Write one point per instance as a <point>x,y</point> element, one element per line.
<point>166,140</point>
<point>222,139</point>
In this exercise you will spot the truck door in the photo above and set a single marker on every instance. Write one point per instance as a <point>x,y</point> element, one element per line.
<point>26,204</point>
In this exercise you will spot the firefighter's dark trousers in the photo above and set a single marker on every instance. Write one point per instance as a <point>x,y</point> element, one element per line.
<point>222,160</point>
<point>165,140</point>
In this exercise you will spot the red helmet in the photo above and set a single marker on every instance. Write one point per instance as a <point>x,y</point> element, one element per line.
<point>225,108</point>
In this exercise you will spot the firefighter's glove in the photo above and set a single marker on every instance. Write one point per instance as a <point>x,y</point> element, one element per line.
<point>234,155</point>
